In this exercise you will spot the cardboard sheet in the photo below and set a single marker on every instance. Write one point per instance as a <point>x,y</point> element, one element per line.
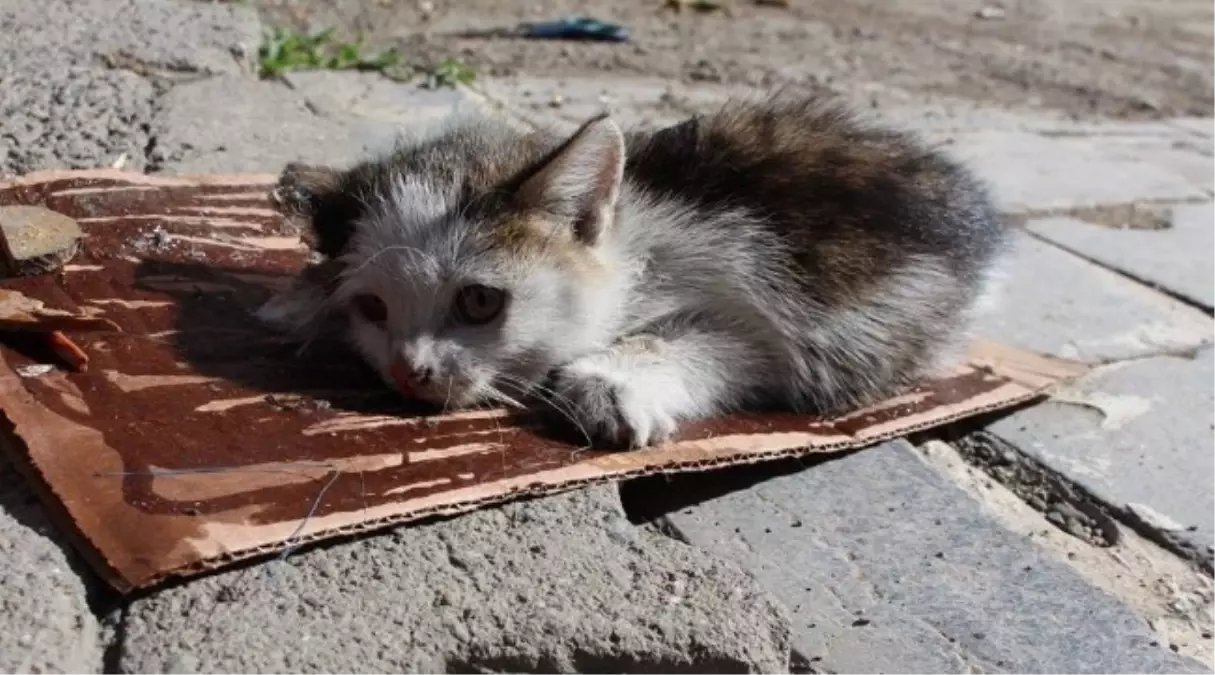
<point>197,438</point>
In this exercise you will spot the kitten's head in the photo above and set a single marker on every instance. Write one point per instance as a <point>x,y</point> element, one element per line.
<point>469,264</point>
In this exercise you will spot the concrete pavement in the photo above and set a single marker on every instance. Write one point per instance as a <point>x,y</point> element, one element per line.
<point>939,557</point>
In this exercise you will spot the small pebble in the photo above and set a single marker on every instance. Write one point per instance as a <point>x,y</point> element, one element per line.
<point>990,13</point>
<point>37,240</point>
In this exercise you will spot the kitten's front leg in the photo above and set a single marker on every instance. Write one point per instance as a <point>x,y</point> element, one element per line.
<point>636,393</point>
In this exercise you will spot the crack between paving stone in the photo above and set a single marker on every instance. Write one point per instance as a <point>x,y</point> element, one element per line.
<point>1110,215</point>
<point>1140,567</point>
<point>1037,486</point>
<point>111,657</point>
<point>501,107</point>
<point>315,109</point>
<point>151,71</point>
<point>308,104</point>
<point>162,78</point>
<point>1068,491</point>
<point>1189,302</point>
<point>151,163</point>
<point>1185,353</point>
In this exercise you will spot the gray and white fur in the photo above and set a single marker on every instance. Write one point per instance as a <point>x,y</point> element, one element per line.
<point>776,253</point>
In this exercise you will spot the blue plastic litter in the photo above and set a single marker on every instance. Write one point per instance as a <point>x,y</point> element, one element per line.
<point>575,28</point>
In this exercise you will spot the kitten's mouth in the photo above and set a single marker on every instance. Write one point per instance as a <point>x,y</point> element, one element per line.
<point>445,395</point>
<point>403,382</point>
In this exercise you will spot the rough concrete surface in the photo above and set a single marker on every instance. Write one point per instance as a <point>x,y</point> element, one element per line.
<point>78,117</point>
<point>559,584</point>
<point>1138,435</point>
<point>1057,303</point>
<point>78,80</point>
<point>1179,258</point>
<point>46,625</point>
<point>889,567</point>
<point>166,36</point>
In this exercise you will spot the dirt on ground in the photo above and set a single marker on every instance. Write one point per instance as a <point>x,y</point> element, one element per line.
<point>1129,59</point>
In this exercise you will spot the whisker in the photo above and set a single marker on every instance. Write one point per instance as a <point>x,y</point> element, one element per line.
<point>562,404</point>
<point>501,434</point>
<point>501,397</point>
<point>447,400</point>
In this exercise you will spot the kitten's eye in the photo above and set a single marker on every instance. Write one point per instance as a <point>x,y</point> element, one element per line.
<point>371,307</point>
<point>477,304</point>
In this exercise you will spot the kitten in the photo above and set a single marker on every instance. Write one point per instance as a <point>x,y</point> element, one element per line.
<point>771,253</point>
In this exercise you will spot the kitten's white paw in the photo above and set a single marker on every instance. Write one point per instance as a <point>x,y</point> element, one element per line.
<point>610,405</point>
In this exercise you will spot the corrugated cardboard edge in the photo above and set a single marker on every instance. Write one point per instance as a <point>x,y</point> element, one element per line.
<point>1027,376</point>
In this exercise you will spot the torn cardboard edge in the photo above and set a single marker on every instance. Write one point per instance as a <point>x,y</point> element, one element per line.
<point>19,312</point>
<point>1024,377</point>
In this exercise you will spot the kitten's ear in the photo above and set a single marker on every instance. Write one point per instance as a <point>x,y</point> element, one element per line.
<point>315,194</point>
<point>580,181</point>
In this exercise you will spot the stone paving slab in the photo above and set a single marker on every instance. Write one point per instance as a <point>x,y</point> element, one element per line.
<point>560,584</point>
<point>321,117</point>
<point>1138,436</point>
<point>46,626</point>
<point>889,567</point>
<point>1179,259</point>
<point>633,101</point>
<point>652,101</point>
<point>375,98</point>
<point>1032,172</point>
<point>1057,303</point>
<point>223,122</point>
<point>1201,126</point>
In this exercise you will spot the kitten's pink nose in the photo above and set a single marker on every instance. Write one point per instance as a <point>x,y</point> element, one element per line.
<point>408,378</point>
